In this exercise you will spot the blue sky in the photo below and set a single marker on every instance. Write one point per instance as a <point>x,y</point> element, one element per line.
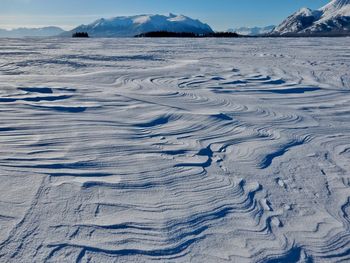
<point>220,14</point>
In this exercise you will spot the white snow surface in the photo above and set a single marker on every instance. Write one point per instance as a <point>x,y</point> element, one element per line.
<point>159,150</point>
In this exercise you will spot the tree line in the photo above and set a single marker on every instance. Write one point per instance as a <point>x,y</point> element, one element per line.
<point>187,34</point>
<point>80,34</point>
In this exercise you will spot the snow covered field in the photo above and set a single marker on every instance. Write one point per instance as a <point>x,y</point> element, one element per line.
<point>174,150</point>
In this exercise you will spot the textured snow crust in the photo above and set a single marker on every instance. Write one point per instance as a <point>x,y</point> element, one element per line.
<point>158,150</point>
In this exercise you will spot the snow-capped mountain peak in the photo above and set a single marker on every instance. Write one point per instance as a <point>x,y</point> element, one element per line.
<point>298,21</point>
<point>252,31</point>
<point>336,8</point>
<point>142,19</point>
<point>48,31</point>
<point>333,18</point>
<point>336,4</point>
<point>126,26</point>
<point>306,12</point>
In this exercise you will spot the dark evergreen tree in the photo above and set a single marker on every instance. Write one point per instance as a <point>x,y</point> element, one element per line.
<point>80,34</point>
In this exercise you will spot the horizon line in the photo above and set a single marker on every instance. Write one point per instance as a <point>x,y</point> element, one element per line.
<point>68,27</point>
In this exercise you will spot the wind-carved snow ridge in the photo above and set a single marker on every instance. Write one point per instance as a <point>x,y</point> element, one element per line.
<point>162,150</point>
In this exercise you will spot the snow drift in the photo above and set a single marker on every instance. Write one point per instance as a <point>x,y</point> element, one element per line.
<point>181,150</point>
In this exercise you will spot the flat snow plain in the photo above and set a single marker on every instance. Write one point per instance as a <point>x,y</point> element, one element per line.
<point>175,150</point>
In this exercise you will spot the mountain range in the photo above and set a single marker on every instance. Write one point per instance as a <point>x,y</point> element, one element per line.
<point>332,19</point>
<point>252,31</point>
<point>128,26</point>
<point>32,32</point>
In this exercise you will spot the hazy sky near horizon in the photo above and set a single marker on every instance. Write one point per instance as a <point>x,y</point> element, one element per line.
<point>220,14</point>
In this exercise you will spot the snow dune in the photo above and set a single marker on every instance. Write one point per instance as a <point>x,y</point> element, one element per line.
<point>203,150</point>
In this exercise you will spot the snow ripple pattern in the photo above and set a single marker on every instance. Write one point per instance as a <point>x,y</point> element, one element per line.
<point>175,150</point>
